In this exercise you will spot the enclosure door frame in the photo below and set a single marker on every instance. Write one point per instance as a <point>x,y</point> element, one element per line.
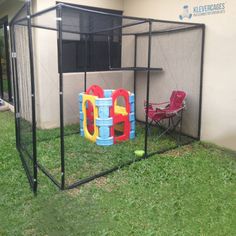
<point>4,25</point>
<point>23,152</point>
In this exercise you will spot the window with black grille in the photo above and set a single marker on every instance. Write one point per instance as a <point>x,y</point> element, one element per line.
<point>92,48</point>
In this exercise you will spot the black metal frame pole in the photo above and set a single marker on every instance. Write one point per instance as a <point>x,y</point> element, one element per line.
<point>135,72</point>
<point>15,78</point>
<point>2,25</point>
<point>17,112</point>
<point>201,82</point>
<point>16,87</point>
<point>14,83</point>
<point>64,5</point>
<point>59,19</point>
<point>6,36</point>
<point>148,85</point>
<point>170,31</point>
<point>31,57</point>
<point>109,51</point>
<point>86,63</point>
<point>121,166</point>
<point>1,80</point>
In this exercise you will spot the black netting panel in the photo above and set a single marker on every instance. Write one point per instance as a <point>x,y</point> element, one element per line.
<point>21,14</point>
<point>105,44</point>
<point>23,98</point>
<point>179,55</point>
<point>87,22</point>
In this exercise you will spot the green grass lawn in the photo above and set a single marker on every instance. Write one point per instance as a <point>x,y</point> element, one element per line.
<point>187,191</point>
<point>84,158</point>
<point>5,85</point>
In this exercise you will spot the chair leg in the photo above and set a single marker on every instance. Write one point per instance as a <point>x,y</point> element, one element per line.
<point>180,129</point>
<point>158,127</point>
<point>149,127</point>
<point>172,128</point>
<point>161,129</point>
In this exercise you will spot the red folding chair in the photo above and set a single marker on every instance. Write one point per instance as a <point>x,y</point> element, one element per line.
<point>171,111</point>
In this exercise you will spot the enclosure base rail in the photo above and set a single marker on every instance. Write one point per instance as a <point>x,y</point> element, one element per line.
<point>156,69</point>
<point>40,167</point>
<point>96,176</point>
<point>29,176</point>
<point>118,167</point>
<point>103,173</point>
<point>170,149</point>
<point>46,172</point>
<point>183,134</point>
<point>56,137</point>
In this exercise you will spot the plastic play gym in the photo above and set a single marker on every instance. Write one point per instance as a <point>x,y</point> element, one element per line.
<point>100,115</point>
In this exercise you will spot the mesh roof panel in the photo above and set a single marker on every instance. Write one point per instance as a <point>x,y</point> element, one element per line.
<point>83,21</point>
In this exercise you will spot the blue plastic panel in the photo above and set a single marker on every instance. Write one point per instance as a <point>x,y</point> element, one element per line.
<point>82,132</point>
<point>108,93</point>
<point>103,102</point>
<point>131,98</point>
<point>105,142</point>
<point>133,125</point>
<point>131,117</point>
<point>132,107</point>
<point>103,112</point>
<point>104,132</point>
<point>104,122</point>
<point>81,115</point>
<point>132,135</point>
<point>81,97</point>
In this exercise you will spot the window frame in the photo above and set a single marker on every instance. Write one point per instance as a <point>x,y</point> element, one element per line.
<point>90,66</point>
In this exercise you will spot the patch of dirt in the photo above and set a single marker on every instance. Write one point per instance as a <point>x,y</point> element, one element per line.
<point>178,152</point>
<point>30,232</point>
<point>73,192</point>
<point>100,182</point>
<point>56,171</point>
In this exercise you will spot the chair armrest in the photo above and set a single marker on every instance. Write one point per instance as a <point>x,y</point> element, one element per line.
<point>161,108</point>
<point>178,110</point>
<point>161,103</point>
<point>156,104</point>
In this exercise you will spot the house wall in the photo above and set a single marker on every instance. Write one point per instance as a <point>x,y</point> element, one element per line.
<point>219,96</point>
<point>47,70</point>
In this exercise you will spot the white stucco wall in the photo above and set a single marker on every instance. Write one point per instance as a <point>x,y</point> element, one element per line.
<point>219,96</point>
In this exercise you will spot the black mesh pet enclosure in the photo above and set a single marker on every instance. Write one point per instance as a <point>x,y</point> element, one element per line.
<point>131,63</point>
